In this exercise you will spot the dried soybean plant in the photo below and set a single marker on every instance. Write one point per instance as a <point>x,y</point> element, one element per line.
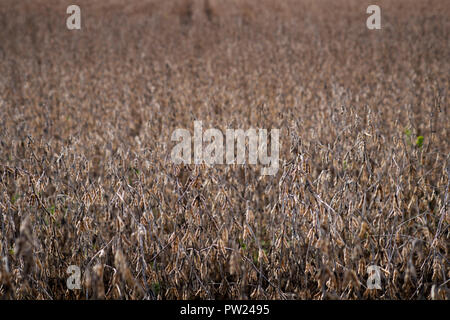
<point>86,177</point>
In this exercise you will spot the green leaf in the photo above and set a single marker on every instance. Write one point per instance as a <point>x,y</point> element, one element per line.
<point>408,133</point>
<point>14,198</point>
<point>419,141</point>
<point>242,244</point>
<point>156,288</point>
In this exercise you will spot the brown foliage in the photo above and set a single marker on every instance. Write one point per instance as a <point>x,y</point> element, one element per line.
<point>86,177</point>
